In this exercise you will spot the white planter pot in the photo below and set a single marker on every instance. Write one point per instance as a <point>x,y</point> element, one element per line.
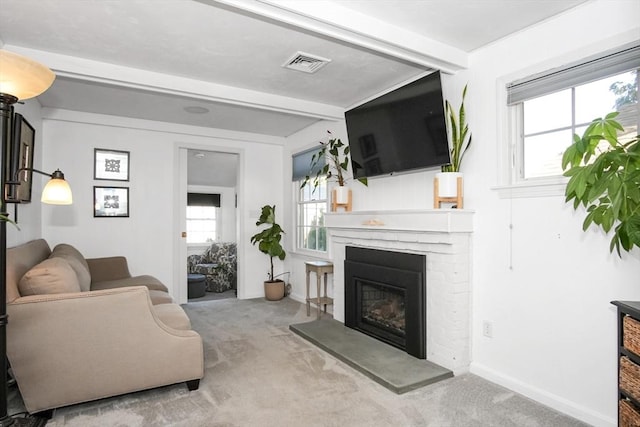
<point>448,183</point>
<point>342,195</point>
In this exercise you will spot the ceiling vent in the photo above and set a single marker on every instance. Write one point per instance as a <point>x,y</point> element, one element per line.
<point>305,62</point>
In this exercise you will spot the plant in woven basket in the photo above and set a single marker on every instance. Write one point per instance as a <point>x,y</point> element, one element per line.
<point>604,177</point>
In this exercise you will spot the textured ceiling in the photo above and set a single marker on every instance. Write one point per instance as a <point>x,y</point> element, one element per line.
<point>150,59</point>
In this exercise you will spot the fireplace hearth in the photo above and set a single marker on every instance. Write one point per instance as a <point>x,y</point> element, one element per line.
<point>385,297</point>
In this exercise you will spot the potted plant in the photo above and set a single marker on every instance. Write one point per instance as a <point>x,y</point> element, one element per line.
<point>268,241</point>
<point>336,154</point>
<point>604,177</point>
<point>459,142</point>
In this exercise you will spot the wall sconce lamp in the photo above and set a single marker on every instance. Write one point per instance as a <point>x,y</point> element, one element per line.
<point>20,78</point>
<point>55,192</point>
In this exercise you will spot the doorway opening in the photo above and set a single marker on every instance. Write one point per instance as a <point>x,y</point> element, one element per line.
<point>211,225</point>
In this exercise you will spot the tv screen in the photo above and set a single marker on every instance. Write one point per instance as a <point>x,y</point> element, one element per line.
<point>403,130</point>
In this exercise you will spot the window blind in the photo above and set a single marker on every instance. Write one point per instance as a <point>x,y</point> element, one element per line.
<point>590,69</point>
<point>302,164</point>
<point>202,199</point>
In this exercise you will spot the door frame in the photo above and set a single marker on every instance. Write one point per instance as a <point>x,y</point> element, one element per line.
<point>180,216</point>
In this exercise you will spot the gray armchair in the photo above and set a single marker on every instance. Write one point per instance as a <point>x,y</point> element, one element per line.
<point>219,264</point>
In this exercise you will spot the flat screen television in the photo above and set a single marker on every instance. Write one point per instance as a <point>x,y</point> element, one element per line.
<point>403,130</point>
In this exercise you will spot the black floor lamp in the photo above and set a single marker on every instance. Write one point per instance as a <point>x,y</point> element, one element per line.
<point>20,78</point>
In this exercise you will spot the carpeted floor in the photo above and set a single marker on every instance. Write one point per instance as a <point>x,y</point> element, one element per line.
<point>258,373</point>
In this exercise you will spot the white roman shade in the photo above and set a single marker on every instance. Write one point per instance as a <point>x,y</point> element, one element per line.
<point>590,69</point>
<point>302,164</point>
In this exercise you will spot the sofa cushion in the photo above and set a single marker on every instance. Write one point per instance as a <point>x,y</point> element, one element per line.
<point>77,261</point>
<point>51,276</point>
<point>145,280</point>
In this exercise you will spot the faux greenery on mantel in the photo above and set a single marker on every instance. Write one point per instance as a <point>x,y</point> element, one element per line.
<point>605,178</point>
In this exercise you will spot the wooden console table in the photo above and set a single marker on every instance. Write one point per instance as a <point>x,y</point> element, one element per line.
<point>321,268</point>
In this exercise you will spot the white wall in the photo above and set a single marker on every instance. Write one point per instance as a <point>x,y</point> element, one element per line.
<point>545,284</point>
<point>147,237</point>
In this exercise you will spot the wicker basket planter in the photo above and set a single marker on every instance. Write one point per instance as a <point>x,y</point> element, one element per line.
<point>631,334</point>
<point>629,414</point>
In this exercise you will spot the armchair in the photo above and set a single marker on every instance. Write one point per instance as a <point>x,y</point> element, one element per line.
<point>219,264</point>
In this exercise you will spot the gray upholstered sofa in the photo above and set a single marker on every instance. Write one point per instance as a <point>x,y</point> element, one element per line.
<point>84,329</point>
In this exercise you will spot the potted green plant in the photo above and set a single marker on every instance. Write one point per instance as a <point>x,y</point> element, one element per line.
<point>268,241</point>
<point>459,142</point>
<point>336,156</point>
<point>604,177</point>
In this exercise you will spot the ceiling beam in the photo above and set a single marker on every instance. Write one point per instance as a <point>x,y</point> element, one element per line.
<point>329,19</point>
<point>110,74</point>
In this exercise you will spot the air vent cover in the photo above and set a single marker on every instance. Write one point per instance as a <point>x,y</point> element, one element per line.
<point>305,62</point>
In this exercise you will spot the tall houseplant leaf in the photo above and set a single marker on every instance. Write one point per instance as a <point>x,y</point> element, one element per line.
<point>268,240</point>
<point>336,154</point>
<point>459,136</point>
<point>604,177</point>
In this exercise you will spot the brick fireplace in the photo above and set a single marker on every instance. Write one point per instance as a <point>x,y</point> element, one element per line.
<point>444,236</point>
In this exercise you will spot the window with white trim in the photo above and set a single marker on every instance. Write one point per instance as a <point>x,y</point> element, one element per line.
<point>203,216</point>
<point>311,203</point>
<point>548,109</point>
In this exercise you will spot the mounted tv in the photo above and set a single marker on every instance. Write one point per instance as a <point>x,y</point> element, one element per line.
<point>403,130</point>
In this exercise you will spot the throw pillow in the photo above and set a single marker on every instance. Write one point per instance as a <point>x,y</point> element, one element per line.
<point>51,276</point>
<point>77,261</point>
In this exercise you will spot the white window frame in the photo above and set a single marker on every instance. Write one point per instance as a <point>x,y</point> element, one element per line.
<point>299,226</point>
<point>510,133</point>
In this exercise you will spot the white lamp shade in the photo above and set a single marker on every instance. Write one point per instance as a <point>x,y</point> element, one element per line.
<point>57,192</point>
<point>23,77</point>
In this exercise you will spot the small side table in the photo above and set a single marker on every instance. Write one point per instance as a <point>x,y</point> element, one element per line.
<point>321,268</point>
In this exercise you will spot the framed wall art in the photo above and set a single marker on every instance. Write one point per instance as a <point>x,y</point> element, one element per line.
<point>20,157</point>
<point>111,165</point>
<point>110,202</point>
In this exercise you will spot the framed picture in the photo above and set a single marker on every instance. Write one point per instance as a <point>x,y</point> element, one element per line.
<point>111,165</point>
<point>21,157</point>
<point>110,202</point>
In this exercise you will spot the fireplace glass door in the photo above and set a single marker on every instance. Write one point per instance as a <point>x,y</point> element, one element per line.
<point>383,307</point>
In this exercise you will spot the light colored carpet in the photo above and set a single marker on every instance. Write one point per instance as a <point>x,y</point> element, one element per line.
<point>258,373</point>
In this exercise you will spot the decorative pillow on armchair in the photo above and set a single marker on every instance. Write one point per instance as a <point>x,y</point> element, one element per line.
<point>51,276</point>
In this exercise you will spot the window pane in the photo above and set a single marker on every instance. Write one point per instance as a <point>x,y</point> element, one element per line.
<point>201,224</point>
<point>543,153</point>
<point>312,205</point>
<point>597,99</point>
<point>547,112</point>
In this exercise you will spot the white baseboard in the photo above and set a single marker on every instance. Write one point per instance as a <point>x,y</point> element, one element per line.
<point>558,403</point>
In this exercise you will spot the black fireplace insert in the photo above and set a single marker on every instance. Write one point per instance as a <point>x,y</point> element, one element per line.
<point>385,297</point>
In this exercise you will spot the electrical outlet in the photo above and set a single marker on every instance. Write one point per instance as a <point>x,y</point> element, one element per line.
<point>487,329</point>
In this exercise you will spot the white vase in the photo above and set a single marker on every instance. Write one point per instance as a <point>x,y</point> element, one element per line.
<point>448,183</point>
<point>342,195</point>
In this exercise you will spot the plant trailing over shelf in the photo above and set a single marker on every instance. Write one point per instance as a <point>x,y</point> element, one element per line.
<point>460,138</point>
<point>337,163</point>
<point>605,178</point>
<point>269,239</point>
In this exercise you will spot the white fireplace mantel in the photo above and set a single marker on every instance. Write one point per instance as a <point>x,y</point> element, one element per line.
<point>427,220</point>
<point>444,236</point>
